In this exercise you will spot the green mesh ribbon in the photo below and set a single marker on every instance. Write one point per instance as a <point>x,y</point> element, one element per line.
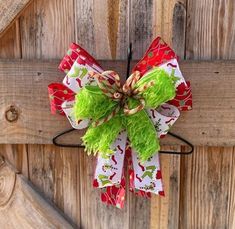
<point>92,103</point>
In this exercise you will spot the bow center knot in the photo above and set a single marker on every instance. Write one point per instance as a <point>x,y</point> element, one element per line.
<point>117,95</point>
<point>110,84</point>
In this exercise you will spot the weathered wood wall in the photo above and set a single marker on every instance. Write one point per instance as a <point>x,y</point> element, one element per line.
<point>207,124</point>
<point>199,188</point>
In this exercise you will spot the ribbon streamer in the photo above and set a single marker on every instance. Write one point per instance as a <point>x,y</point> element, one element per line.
<point>82,69</point>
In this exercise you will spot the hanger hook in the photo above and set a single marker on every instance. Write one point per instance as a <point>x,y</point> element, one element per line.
<point>129,58</point>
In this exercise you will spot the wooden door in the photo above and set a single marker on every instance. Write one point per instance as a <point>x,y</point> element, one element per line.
<point>199,188</point>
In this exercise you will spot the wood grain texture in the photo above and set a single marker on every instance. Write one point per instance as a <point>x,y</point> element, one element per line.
<point>113,19</point>
<point>47,28</point>
<point>17,155</point>
<point>10,42</point>
<point>165,210</point>
<point>207,188</point>
<point>211,119</point>
<point>140,26</point>
<point>22,207</point>
<point>210,29</point>
<point>169,22</point>
<point>9,11</point>
<point>207,177</point>
<point>10,47</point>
<point>139,212</point>
<point>168,19</point>
<point>55,172</point>
<point>102,27</point>
<point>179,28</point>
<point>142,214</point>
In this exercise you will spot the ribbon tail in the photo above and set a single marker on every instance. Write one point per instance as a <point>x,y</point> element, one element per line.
<point>109,174</point>
<point>147,176</point>
<point>115,195</point>
<point>131,175</point>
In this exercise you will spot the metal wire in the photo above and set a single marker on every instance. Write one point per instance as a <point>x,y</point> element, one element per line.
<point>54,140</point>
<point>181,152</point>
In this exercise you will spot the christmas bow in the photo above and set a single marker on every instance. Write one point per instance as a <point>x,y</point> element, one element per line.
<point>143,108</point>
<point>112,108</point>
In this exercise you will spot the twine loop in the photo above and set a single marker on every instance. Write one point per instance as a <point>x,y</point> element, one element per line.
<point>120,93</point>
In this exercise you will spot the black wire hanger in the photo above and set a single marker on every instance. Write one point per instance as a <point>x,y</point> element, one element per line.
<point>191,146</point>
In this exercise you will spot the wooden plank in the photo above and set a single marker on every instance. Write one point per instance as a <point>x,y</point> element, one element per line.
<point>179,28</point>
<point>211,121</point>
<point>9,11</point>
<point>139,212</point>
<point>169,22</point>
<point>207,177</point>
<point>47,29</point>
<point>207,188</point>
<point>22,207</point>
<point>210,29</point>
<point>10,48</point>
<point>10,42</point>
<point>139,34</point>
<point>141,26</point>
<point>165,210</point>
<point>17,155</point>
<point>55,172</point>
<point>148,20</point>
<point>102,27</point>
